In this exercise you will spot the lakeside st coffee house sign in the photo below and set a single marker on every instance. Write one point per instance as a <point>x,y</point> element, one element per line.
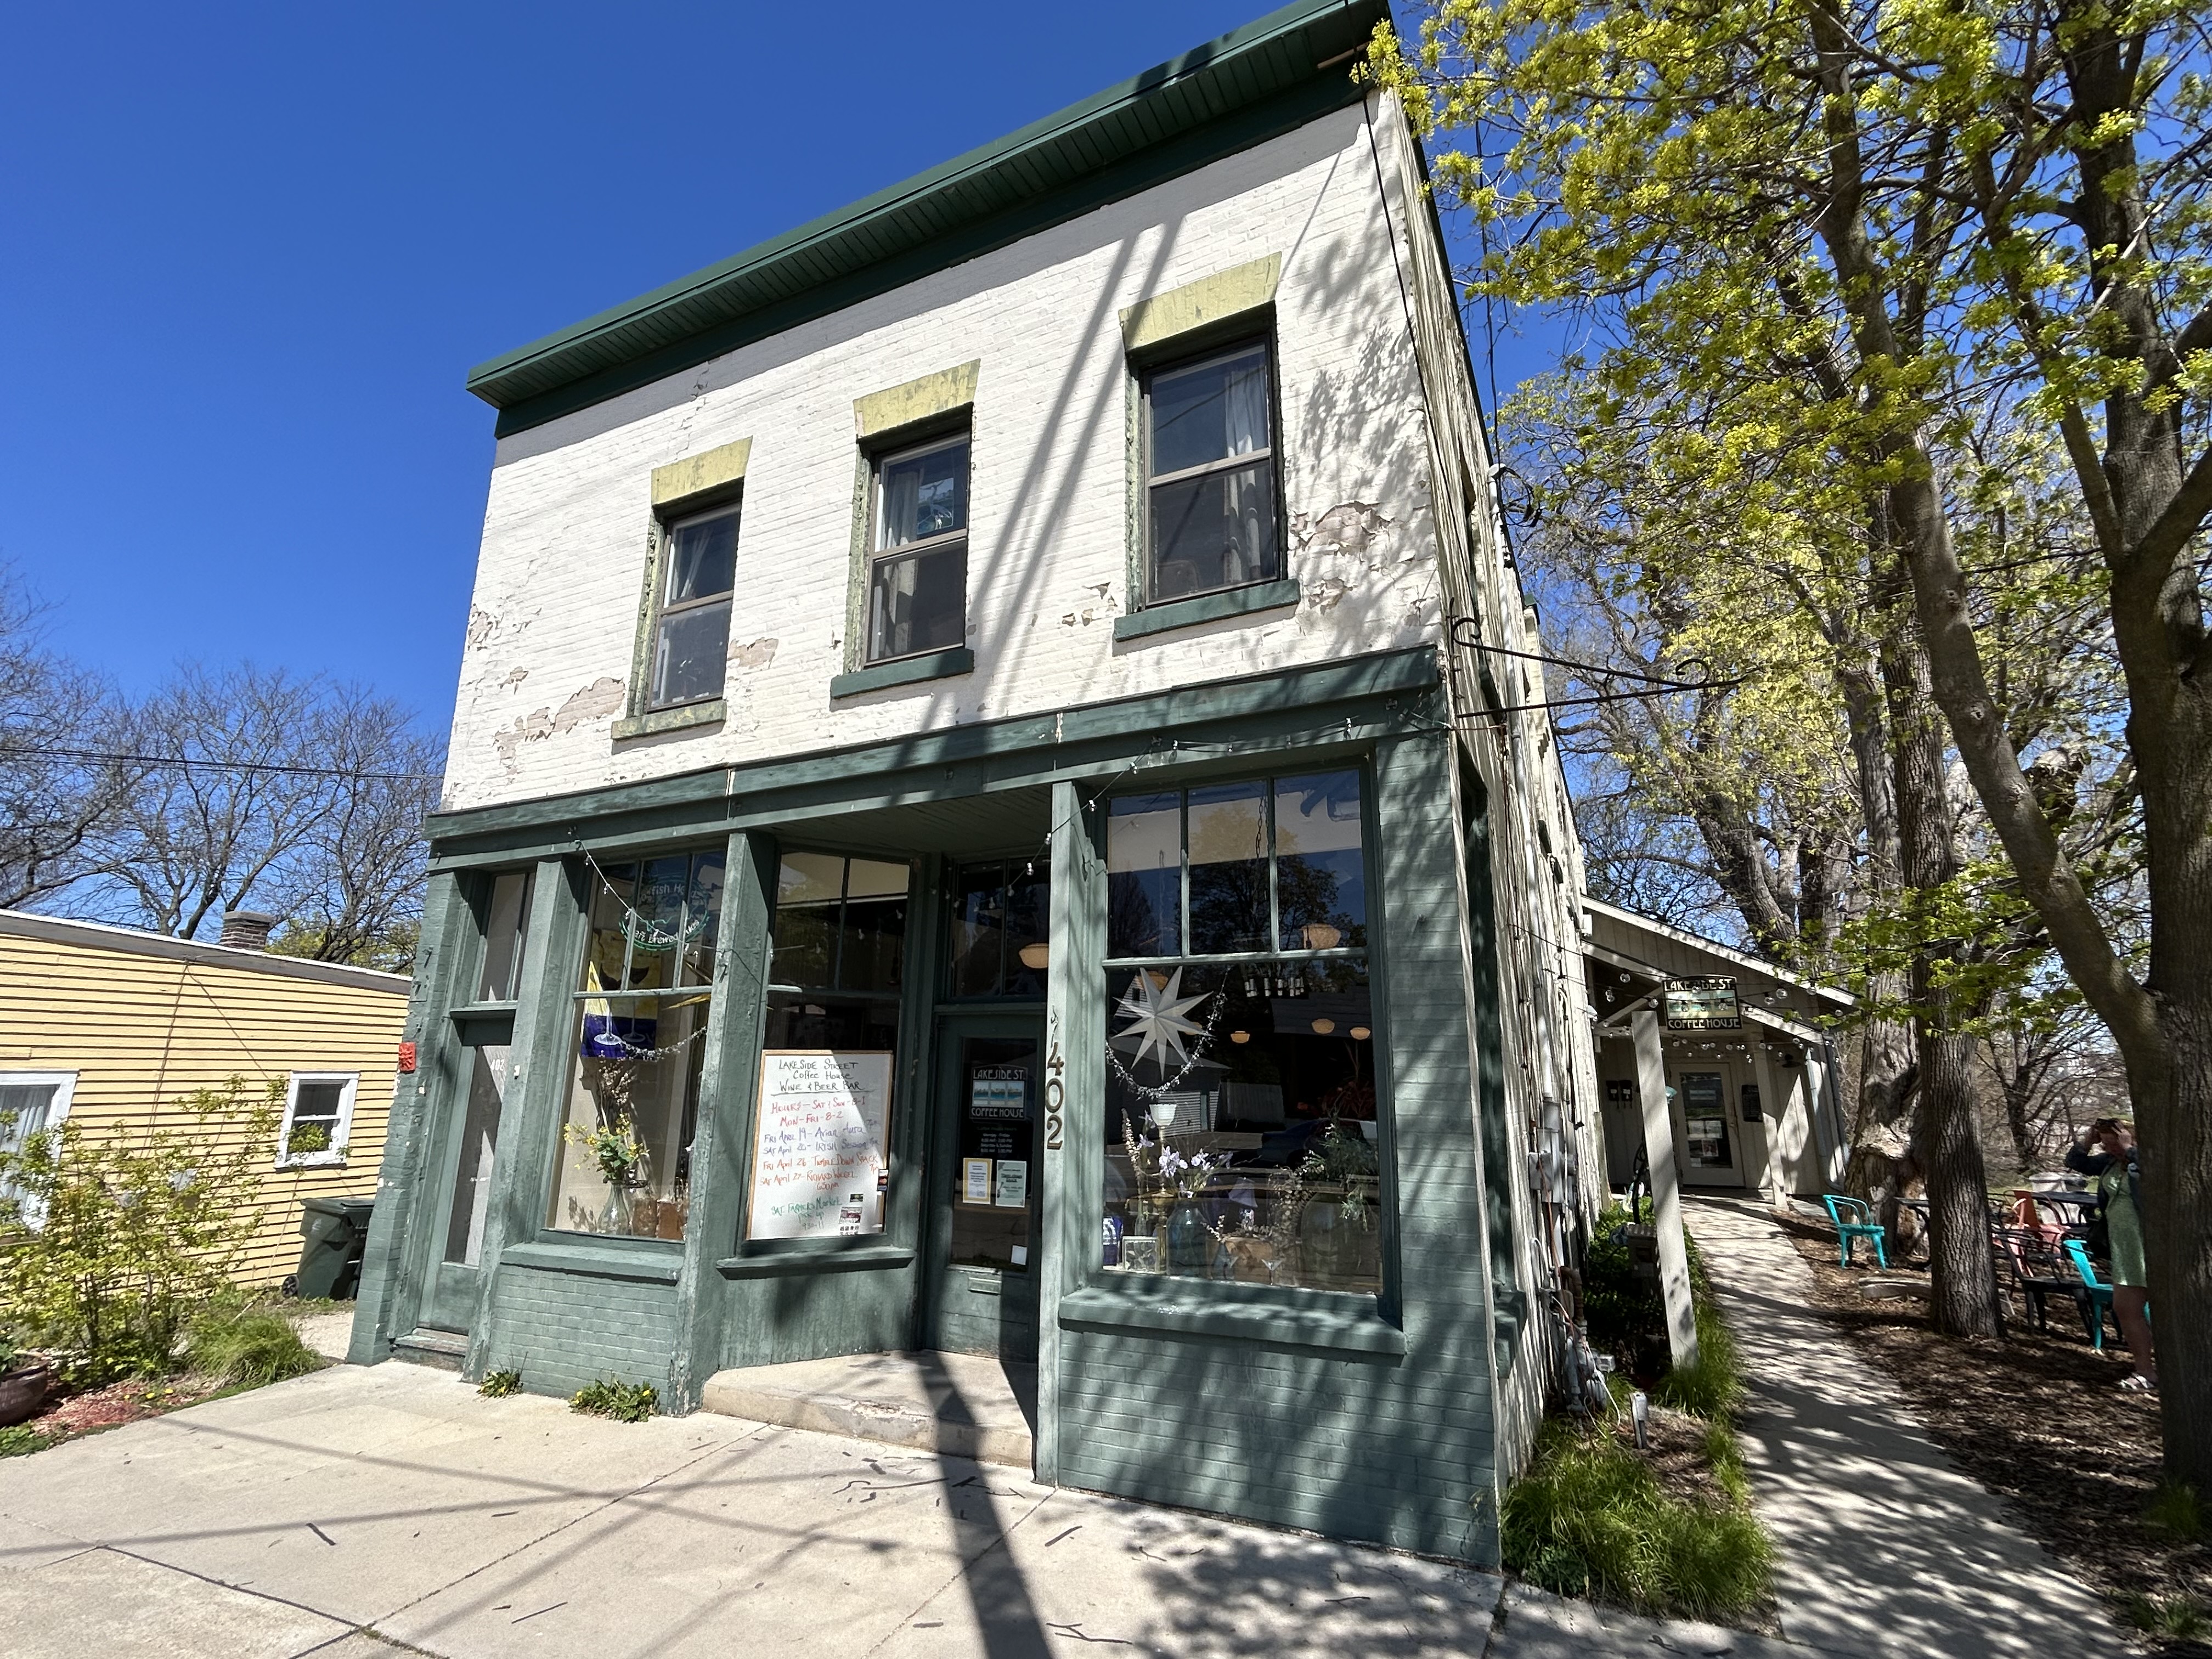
<point>1706,1002</point>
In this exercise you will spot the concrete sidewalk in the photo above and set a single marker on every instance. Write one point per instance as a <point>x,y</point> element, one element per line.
<point>353,1508</point>
<point>1883,1546</point>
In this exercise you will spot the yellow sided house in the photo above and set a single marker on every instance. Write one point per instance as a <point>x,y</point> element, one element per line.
<point>110,1028</point>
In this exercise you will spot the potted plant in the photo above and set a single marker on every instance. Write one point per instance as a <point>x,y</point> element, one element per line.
<point>23,1380</point>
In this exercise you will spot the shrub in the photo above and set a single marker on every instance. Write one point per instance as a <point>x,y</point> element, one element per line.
<point>110,1243</point>
<point>1589,1519</point>
<point>252,1345</point>
<point>497,1385</point>
<point>2176,1511</point>
<point>626,1402</point>
<point>2180,1618</point>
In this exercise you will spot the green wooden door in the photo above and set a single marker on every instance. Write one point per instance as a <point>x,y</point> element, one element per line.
<point>464,1184</point>
<point>981,1289</point>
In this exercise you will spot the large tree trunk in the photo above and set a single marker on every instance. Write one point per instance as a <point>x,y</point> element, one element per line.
<point>1946,1139</point>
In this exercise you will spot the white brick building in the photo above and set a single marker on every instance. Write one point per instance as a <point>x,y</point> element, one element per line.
<point>992,808</point>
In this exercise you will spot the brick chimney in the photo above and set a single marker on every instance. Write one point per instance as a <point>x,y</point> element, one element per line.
<point>246,930</point>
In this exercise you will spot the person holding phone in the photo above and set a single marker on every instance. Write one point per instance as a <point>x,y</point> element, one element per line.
<point>2107,1153</point>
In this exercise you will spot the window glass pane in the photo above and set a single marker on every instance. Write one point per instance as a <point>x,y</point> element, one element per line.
<point>1228,868</point>
<point>1321,879</point>
<point>918,604</point>
<point>922,496</point>
<point>23,1108</point>
<point>978,898</point>
<point>808,895</point>
<point>317,1102</point>
<point>654,925</point>
<point>702,558</point>
<point>1215,530</point>
<point>503,953</point>
<point>633,1107</point>
<point>810,878</point>
<point>817,1021</point>
<point>874,944</point>
<point>1210,412</point>
<point>690,654</point>
<point>702,918</point>
<point>1144,876</point>
<point>868,878</point>
<point>1240,1134</point>
<point>1029,926</point>
<point>472,1172</point>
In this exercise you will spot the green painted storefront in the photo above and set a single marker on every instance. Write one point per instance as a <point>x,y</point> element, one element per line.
<point>1361,1413</point>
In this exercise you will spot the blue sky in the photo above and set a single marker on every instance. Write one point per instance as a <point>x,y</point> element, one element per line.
<point>253,251</point>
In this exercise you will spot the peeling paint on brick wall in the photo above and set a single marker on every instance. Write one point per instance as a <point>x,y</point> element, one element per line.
<point>596,702</point>
<point>759,654</point>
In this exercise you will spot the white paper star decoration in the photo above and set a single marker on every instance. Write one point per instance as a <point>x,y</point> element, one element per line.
<point>1158,1019</point>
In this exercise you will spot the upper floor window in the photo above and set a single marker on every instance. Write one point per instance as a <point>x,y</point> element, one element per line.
<point>1210,471</point>
<point>691,633</point>
<point>918,567</point>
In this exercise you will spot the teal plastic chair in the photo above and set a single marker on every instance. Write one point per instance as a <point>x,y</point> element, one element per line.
<point>2100,1294</point>
<point>1855,1219</point>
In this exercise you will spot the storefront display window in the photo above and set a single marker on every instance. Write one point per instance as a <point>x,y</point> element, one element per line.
<point>1241,1127</point>
<point>821,1155</point>
<point>642,1021</point>
<point>999,926</point>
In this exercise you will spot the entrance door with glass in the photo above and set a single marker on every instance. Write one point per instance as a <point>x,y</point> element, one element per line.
<point>1708,1143</point>
<point>982,1290</point>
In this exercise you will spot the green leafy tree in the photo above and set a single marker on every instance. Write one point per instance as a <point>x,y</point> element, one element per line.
<point>1937,210</point>
<point>109,1241</point>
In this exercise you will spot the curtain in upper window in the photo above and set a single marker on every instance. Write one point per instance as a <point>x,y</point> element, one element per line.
<point>1213,523</point>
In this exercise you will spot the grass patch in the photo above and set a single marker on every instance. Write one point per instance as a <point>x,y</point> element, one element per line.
<point>20,1440</point>
<point>2178,1618</point>
<point>248,1345</point>
<point>626,1402</point>
<point>2177,1511</point>
<point>497,1385</point>
<point>1590,1518</point>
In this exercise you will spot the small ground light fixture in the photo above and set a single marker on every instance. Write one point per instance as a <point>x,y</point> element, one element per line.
<point>1639,1408</point>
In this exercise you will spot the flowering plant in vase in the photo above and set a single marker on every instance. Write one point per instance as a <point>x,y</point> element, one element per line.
<point>614,1147</point>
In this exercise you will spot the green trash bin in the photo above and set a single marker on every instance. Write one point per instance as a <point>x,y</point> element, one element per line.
<point>337,1234</point>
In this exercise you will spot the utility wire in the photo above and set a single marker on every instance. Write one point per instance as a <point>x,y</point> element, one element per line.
<point>185,763</point>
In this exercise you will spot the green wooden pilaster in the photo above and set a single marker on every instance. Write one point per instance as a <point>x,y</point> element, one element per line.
<point>1074,1094</point>
<point>721,1144</point>
<point>391,1280</point>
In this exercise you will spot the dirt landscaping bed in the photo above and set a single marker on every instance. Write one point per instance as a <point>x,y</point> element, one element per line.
<point>2038,1419</point>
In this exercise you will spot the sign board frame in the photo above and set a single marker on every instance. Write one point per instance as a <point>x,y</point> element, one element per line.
<point>1703,1002</point>
<point>831,1222</point>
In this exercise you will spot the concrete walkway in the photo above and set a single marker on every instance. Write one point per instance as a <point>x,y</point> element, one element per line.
<point>1884,1547</point>
<point>352,1509</point>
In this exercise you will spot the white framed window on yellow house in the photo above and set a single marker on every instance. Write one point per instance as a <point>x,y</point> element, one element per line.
<point>318,1119</point>
<point>30,1102</point>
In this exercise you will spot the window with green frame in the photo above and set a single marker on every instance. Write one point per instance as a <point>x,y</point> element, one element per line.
<point>1241,1140</point>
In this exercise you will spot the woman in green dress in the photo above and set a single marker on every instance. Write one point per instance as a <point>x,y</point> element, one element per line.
<point>2113,1163</point>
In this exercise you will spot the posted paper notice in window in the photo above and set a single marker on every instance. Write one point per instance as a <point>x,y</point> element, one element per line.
<point>819,1152</point>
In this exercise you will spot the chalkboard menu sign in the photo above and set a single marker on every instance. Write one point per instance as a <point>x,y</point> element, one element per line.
<point>820,1166</point>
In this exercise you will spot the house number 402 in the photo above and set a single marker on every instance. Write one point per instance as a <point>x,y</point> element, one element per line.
<point>1053,1093</point>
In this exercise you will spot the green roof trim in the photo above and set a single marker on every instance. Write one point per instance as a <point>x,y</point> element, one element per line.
<point>1261,81</point>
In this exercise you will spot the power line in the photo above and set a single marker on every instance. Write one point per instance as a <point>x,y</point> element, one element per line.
<point>184,763</point>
